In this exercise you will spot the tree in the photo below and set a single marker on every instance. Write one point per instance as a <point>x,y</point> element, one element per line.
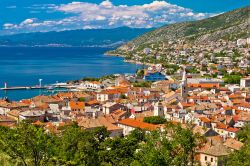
<point>138,134</point>
<point>82,99</point>
<point>155,151</point>
<point>187,142</point>
<point>232,79</point>
<point>27,143</point>
<point>155,120</point>
<point>174,146</point>
<point>241,157</point>
<point>68,145</point>
<point>244,134</point>
<point>140,73</point>
<point>80,147</point>
<point>142,84</point>
<point>123,96</point>
<point>118,151</point>
<point>90,79</point>
<point>31,145</point>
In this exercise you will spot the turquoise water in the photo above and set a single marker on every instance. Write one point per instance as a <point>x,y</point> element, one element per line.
<point>22,66</point>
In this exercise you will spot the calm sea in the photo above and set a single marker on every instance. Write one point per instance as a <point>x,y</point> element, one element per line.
<point>21,66</point>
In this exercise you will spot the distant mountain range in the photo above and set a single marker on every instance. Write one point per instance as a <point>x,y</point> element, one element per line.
<point>229,26</point>
<point>84,38</point>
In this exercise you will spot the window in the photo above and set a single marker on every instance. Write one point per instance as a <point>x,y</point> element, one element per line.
<point>205,158</point>
<point>212,159</point>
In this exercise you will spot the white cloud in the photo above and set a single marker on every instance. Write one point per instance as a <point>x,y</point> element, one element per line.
<point>154,13</point>
<point>27,21</point>
<point>8,26</point>
<point>106,4</point>
<point>99,18</point>
<point>157,5</point>
<point>86,15</point>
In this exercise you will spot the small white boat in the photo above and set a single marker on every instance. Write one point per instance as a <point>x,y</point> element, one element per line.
<point>50,88</point>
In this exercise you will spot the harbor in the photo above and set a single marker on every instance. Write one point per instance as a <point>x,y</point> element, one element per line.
<point>28,91</point>
<point>24,87</point>
<point>40,86</point>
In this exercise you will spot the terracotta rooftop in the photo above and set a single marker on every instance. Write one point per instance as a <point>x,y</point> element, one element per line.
<point>220,125</point>
<point>232,129</point>
<point>46,99</point>
<point>242,116</point>
<point>65,95</point>
<point>88,123</point>
<point>138,124</point>
<point>184,104</point>
<point>205,119</point>
<point>233,144</point>
<point>14,113</point>
<point>92,102</point>
<point>204,85</point>
<point>245,104</point>
<point>76,105</point>
<point>4,118</point>
<point>215,148</point>
<point>236,96</point>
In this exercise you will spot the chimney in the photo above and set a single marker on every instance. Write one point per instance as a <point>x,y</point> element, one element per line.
<point>211,142</point>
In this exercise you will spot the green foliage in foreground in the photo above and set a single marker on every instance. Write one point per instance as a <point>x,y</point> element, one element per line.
<point>30,145</point>
<point>27,144</point>
<point>242,157</point>
<point>244,135</point>
<point>155,120</point>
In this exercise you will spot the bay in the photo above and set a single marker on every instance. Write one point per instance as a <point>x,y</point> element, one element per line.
<point>24,66</point>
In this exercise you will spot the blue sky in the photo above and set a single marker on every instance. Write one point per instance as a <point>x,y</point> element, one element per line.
<point>23,16</point>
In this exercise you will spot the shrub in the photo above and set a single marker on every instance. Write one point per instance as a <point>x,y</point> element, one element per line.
<point>155,120</point>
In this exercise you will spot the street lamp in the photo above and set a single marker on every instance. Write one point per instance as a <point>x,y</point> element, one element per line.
<point>40,82</point>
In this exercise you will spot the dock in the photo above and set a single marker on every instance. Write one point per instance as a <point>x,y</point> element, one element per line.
<point>24,87</point>
<point>49,87</point>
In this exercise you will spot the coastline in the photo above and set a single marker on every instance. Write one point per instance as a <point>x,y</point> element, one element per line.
<point>138,63</point>
<point>108,53</point>
<point>78,62</point>
<point>128,61</point>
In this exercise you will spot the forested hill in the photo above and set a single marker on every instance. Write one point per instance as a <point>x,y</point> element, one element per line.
<point>91,37</point>
<point>230,26</point>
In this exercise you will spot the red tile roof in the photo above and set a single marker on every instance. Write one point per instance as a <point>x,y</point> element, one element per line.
<point>138,124</point>
<point>245,105</point>
<point>232,129</point>
<point>205,120</point>
<point>76,105</point>
<point>204,85</point>
<point>220,125</point>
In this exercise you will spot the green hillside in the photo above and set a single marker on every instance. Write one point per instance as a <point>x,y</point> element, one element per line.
<point>228,26</point>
